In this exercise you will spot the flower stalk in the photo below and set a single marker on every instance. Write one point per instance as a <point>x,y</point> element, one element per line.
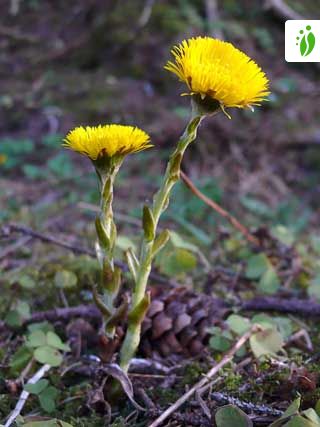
<point>152,244</point>
<point>106,234</point>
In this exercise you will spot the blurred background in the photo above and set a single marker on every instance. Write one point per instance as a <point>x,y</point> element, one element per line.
<point>73,63</point>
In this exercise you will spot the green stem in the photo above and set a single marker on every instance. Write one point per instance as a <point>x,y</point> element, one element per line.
<point>160,204</point>
<point>106,232</point>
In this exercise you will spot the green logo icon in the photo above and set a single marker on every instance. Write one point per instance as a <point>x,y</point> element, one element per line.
<point>306,40</point>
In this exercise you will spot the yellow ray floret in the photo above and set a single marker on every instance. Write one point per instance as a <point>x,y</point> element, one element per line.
<point>107,140</point>
<point>219,70</point>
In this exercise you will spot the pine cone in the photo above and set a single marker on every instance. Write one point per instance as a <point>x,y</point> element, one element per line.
<point>177,322</point>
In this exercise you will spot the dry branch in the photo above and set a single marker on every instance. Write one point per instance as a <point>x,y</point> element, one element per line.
<point>303,307</point>
<point>48,238</point>
<point>282,10</point>
<point>233,221</point>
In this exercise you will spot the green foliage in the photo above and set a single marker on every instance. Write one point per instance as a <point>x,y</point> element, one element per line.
<point>14,150</point>
<point>267,342</point>
<point>231,416</point>
<point>293,417</point>
<point>65,279</point>
<point>46,347</point>
<point>178,257</point>
<point>19,312</point>
<point>42,344</point>
<point>260,268</point>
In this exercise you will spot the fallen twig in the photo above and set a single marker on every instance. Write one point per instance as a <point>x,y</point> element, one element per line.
<point>25,394</point>
<point>45,237</point>
<point>14,246</point>
<point>225,360</point>
<point>282,10</point>
<point>233,221</point>
<point>293,305</point>
<point>90,311</point>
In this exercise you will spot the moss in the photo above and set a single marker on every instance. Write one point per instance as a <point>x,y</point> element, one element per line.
<point>6,404</point>
<point>164,396</point>
<point>192,373</point>
<point>232,382</point>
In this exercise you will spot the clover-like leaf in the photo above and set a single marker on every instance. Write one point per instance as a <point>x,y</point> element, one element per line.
<point>54,341</point>
<point>37,387</point>
<point>231,416</point>
<point>267,342</point>
<point>49,355</point>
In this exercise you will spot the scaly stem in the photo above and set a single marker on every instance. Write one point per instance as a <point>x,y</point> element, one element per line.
<point>106,232</point>
<point>160,203</point>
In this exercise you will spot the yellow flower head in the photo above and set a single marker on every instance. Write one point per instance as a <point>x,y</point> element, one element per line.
<point>217,69</point>
<point>107,141</point>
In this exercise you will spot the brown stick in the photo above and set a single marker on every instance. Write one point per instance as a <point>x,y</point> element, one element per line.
<point>304,307</point>
<point>233,221</point>
<point>225,360</point>
<point>282,10</point>
<point>20,228</point>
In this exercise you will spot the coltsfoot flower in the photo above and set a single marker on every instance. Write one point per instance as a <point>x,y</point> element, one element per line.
<point>217,69</point>
<point>107,141</point>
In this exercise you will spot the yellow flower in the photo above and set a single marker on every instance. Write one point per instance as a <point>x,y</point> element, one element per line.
<point>108,140</point>
<point>219,70</point>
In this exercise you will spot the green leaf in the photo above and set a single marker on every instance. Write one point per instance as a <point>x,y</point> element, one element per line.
<point>256,266</point>
<point>176,262</point>
<point>32,171</point>
<point>179,242</point>
<point>292,410</point>
<point>263,320</point>
<point>160,242</point>
<point>47,398</point>
<point>256,206</point>
<point>269,282</point>
<point>267,342</point>
<point>311,415</point>
<point>238,324</point>
<point>124,243</point>
<point>38,387</point>
<point>148,223</point>
<point>231,416</point>
<point>52,140</point>
<point>13,318</point>
<point>300,421</point>
<point>20,312</point>
<point>49,355</point>
<point>61,166</point>
<point>42,326</point>
<point>27,282</point>
<point>65,279</point>
<point>219,343</point>
<point>21,358</point>
<point>23,308</point>
<point>284,234</point>
<point>37,339</point>
<point>55,341</point>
